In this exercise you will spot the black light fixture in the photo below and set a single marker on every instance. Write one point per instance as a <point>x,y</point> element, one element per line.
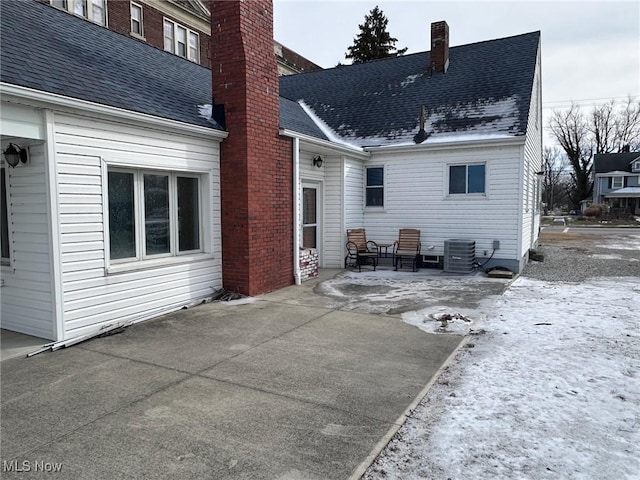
<point>13,154</point>
<point>317,161</point>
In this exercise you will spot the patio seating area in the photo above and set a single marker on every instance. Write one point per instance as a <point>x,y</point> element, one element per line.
<point>405,250</point>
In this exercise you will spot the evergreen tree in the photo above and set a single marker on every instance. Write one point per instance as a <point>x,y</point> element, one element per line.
<point>373,41</point>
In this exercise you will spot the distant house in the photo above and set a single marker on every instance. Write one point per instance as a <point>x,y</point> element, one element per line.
<point>617,181</point>
<point>149,180</point>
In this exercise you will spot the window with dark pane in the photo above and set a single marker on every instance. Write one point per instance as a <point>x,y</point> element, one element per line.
<point>309,218</point>
<point>122,233</point>
<point>188,214</point>
<point>476,176</point>
<point>375,187</point>
<point>4,240</point>
<point>458,179</point>
<point>156,214</point>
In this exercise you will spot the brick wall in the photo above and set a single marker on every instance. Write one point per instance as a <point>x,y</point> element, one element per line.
<point>308,264</point>
<point>256,163</point>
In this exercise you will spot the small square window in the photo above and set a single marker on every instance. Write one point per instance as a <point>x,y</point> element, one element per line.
<point>465,179</point>
<point>617,182</point>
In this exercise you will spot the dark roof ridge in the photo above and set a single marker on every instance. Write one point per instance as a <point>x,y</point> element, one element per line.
<point>378,60</point>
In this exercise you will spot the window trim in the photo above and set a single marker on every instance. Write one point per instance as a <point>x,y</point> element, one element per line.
<point>466,193</point>
<point>188,33</point>
<point>142,261</point>
<point>69,7</point>
<point>367,187</point>
<point>132,6</point>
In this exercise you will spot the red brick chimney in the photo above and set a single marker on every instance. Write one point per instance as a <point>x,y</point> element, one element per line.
<point>439,46</point>
<point>255,162</point>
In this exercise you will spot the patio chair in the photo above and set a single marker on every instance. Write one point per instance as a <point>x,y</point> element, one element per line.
<point>359,250</point>
<point>407,247</point>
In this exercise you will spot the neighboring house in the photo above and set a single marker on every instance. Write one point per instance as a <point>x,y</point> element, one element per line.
<point>617,181</point>
<point>134,202</point>
<point>181,27</point>
<point>115,216</point>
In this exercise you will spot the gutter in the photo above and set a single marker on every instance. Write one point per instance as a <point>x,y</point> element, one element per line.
<point>24,93</point>
<point>489,142</point>
<point>324,143</point>
<point>296,210</point>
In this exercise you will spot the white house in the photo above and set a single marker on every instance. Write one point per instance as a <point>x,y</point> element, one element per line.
<point>447,141</point>
<point>115,215</point>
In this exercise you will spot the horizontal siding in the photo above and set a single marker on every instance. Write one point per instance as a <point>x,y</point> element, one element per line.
<point>416,196</point>
<point>332,227</point>
<point>27,305</point>
<point>93,298</point>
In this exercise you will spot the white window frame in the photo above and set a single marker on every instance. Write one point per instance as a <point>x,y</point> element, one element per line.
<point>135,6</point>
<point>174,40</point>
<point>141,259</point>
<point>620,179</point>
<point>636,166</point>
<point>367,187</point>
<point>466,180</point>
<point>87,7</point>
<point>7,262</point>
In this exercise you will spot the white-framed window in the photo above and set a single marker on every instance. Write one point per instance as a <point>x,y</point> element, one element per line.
<point>636,166</point>
<point>94,10</point>
<point>137,26</point>
<point>374,186</point>
<point>617,182</point>
<point>153,214</point>
<point>5,240</point>
<point>467,179</point>
<point>181,41</point>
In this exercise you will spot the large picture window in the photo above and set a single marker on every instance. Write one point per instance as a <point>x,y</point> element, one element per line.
<point>464,179</point>
<point>375,187</point>
<point>153,214</point>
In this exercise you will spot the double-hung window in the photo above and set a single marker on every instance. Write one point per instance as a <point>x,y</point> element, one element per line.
<point>617,182</point>
<point>375,187</point>
<point>136,19</point>
<point>94,10</point>
<point>467,179</point>
<point>4,219</point>
<point>153,214</point>
<point>181,41</point>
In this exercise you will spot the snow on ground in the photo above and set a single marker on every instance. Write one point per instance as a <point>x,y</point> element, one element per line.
<point>548,388</point>
<point>632,243</point>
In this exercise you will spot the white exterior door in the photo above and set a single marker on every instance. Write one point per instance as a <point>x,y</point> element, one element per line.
<point>311,217</point>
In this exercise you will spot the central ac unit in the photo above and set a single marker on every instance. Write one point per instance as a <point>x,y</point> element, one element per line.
<point>459,256</point>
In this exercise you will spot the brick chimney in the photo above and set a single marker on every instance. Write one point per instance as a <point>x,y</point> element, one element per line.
<point>255,162</point>
<point>439,47</point>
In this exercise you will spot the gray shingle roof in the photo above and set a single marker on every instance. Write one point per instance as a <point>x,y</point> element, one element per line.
<point>49,50</point>
<point>293,117</point>
<point>486,90</point>
<point>612,162</point>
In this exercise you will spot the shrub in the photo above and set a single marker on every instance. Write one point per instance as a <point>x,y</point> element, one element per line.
<point>594,211</point>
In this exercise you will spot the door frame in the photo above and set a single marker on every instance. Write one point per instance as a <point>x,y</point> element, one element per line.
<point>317,185</point>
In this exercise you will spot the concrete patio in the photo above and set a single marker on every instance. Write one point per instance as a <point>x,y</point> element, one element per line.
<point>292,385</point>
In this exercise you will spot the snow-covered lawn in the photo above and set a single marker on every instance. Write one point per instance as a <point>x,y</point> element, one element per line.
<point>548,387</point>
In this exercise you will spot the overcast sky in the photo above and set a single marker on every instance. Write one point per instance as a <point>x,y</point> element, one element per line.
<point>590,49</point>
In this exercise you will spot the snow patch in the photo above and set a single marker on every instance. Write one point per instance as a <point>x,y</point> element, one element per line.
<point>205,111</point>
<point>326,129</point>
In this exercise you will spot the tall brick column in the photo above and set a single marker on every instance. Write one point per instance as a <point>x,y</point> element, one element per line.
<point>256,163</point>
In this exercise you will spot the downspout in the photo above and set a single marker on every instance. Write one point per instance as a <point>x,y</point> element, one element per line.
<point>296,210</point>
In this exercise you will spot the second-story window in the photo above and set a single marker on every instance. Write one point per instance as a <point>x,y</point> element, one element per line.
<point>136,19</point>
<point>94,10</point>
<point>181,41</point>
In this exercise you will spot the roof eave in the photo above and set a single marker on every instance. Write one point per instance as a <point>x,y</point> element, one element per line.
<point>338,148</point>
<point>511,140</point>
<point>8,90</point>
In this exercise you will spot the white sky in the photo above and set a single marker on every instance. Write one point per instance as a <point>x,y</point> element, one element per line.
<point>590,49</point>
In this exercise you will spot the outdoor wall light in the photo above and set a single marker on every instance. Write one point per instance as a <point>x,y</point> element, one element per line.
<point>317,161</point>
<point>13,154</point>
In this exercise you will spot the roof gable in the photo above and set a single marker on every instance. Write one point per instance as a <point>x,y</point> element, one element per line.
<point>486,90</point>
<point>69,56</point>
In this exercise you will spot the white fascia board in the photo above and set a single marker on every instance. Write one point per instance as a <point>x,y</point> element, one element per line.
<point>491,142</point>
<point>324,144</point>
<point>8,90</point>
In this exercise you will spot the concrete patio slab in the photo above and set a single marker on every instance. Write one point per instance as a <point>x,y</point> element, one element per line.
<point>280,386</point>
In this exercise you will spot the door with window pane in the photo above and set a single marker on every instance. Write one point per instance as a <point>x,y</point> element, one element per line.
<point>309,217</point>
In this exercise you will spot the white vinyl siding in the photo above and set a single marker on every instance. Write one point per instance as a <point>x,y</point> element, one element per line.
<point>27,305</point>
<point>416,196</point>
<point>93,296</point>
